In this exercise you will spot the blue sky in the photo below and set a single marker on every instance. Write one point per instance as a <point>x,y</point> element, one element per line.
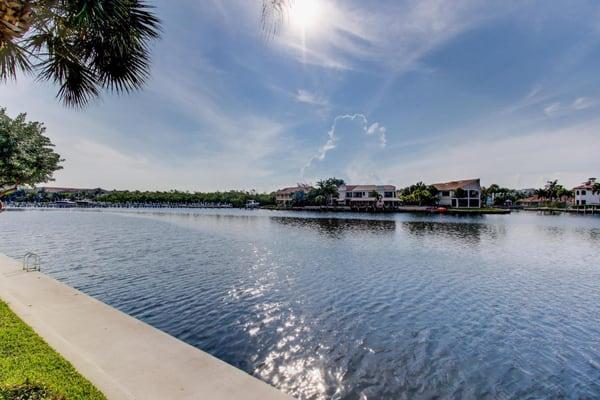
<point>370,91</point>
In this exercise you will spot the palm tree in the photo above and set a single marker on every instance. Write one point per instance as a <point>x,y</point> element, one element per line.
<point>84,46</point>
<point>596,188</point>
<point>552,188</point>
<point>273,14</point>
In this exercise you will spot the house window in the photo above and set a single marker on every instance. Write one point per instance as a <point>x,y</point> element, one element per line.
<point>583,202</point>
<point>474,193</point>
<point>583,192</point>
<point>577,202</point>
<point>349,195</point>
<point>388,194</point>
<point>358,194</point>
<point>577,193</point>
<point>445,193</point>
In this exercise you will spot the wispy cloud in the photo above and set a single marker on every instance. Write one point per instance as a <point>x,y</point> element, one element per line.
<point>552,109</point>
<point>527,158</point>
<point>334,138</point>
<point>557,108</point>
<point>305,96</point>
<point>394,34</point>
<point>581,103</point>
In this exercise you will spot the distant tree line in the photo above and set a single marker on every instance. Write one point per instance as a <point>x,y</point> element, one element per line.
<point>236,198</point>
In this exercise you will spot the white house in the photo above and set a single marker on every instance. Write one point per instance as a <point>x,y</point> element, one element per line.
<point>364,196</point>
<point>459,194</point>
<point>584,194</point>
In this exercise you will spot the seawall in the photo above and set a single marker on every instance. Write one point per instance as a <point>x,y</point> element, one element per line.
<point>124,357</point>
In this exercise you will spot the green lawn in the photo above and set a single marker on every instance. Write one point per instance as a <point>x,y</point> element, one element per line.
<point>31,370</point>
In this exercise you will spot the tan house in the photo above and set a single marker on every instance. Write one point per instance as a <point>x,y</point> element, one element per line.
<point>364,196</point>
<point>459,194</point>
<point>285,197</point>
<point>531,201</point>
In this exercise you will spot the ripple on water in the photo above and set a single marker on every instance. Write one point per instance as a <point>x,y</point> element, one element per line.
<point>335,306</point>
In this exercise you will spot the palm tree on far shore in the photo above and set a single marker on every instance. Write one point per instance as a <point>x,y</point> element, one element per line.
<point>596,188</point>
<point>83,46</point>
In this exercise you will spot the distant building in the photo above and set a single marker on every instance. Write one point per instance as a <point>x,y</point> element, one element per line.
<point>584,194</point>
<point>285,197</point>
<point>459,194</point>
<point>531,201</point>
<point>364,196</point>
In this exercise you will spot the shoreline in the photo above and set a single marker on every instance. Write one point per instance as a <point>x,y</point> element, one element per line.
<point>123,357</point>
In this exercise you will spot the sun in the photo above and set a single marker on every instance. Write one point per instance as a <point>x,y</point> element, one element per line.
<point>305,14</point>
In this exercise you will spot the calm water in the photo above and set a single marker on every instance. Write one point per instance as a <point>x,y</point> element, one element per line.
<point>333,306</point>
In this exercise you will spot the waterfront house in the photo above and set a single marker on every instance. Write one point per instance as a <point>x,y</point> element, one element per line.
<point>459,194</point>
<point>287,196</point>
<point>362,196</point>
<point>531,202</point>
<point>584,194</point>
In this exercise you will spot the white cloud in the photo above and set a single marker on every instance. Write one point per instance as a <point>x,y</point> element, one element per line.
<point>305,96</point>
<point>526,159</point>
<point>581,103</point>
<point>552,109</point>
<point>376,129</point>
<point>395,34</point>
<point>556,108</point>
<point>334,138</point>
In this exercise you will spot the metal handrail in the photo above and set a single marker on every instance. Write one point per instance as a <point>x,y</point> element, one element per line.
<point>31,262</point>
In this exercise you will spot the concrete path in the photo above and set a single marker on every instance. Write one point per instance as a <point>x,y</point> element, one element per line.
<point>125,358</point>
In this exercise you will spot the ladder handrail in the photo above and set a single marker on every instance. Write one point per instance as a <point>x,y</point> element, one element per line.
<point>31,262</point>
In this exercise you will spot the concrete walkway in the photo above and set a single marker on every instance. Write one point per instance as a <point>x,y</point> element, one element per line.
<point>125,358</point>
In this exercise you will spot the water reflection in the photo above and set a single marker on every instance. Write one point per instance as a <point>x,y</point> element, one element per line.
<point>464,232</point>
<point>338,227</point>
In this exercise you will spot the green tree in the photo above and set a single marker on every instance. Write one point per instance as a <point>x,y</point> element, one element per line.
<point>328,188</point>
<point>375,194</point>
<point>83,46</point>
<point>552,189</point>
<point>27,157</point>
<point>460,193</point>
<point>596,188</point>
<point>419,194</point>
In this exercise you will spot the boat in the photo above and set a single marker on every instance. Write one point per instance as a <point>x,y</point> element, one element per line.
<point>252,204</point>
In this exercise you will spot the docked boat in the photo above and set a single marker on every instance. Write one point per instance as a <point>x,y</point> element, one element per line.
<point>252,204</point>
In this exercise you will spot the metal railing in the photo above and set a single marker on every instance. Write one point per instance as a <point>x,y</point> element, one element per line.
<point>31,262</point>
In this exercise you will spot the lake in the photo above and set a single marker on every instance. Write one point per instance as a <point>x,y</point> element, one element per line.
<point>348,306</point>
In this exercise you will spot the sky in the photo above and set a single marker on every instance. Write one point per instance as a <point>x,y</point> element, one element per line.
<point>382,92</point>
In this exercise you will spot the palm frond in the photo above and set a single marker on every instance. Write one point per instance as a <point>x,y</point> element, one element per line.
<point>13,58</point>
<point>273,15</point>
<point>78,84</point>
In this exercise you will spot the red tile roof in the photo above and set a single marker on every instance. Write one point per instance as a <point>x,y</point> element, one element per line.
<point>586,185</point>
<point>290,190</point>
<point>456,184</point>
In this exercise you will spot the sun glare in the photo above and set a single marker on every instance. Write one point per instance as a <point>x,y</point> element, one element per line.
<point>305,14</point>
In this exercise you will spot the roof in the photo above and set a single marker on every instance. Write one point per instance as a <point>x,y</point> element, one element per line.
<point>587,185</point>
<point>456,184</point>
<point>294,189</point>
<point>350,188</point>
<point>531,199</point>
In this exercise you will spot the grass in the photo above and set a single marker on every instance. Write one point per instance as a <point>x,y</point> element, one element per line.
<point>31,370</point>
